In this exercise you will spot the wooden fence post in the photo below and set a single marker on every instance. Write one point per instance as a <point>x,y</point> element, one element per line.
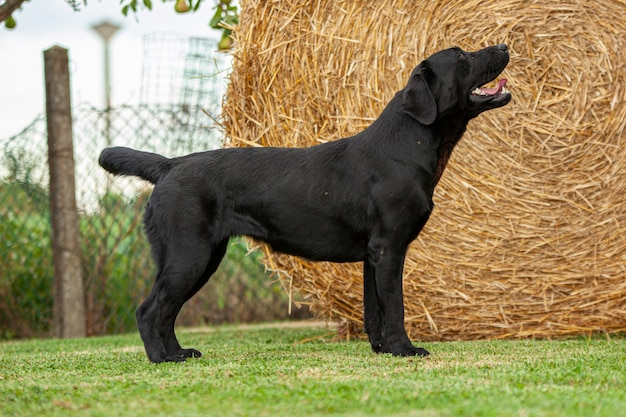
<point>69,295</point>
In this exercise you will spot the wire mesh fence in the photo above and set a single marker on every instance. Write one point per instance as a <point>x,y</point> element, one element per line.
<point>181,89</point>
<point>117,265</point>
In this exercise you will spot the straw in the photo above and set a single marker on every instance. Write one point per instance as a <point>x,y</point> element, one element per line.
<point>528,237</point>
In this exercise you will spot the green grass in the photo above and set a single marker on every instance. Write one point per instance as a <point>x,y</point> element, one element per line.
<point>262,371</point>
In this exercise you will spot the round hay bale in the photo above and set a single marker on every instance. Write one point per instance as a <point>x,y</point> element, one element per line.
<point>528,237</point>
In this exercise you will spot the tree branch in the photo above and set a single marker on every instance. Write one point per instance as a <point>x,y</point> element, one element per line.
<point>8,7</point>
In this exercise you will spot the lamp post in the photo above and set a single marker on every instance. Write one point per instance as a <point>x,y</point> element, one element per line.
<point>106,31</point>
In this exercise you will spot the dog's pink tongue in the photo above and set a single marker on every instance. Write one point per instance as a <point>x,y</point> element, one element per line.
<point>496,90</point>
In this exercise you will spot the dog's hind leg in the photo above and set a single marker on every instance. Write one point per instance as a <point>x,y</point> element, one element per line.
<point>186,267</point>
<point>172,347</point>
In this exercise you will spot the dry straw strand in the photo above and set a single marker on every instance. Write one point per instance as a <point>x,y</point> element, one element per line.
<point>528,235</point>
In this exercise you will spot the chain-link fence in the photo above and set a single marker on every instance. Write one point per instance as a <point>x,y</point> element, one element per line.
<point>117,265</point>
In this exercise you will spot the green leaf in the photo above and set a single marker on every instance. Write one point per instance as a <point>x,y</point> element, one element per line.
<point>216,19</point>
<point>148,4</point>
<point>232,20</point>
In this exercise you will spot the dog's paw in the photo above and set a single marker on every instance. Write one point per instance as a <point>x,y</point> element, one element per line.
<point>380,347</point>
<point>408,350</point>
<point>183,355</point>
<point>399,349</point>
<point>190,353</point>
<point>175,358</point>
<point>420,352</point>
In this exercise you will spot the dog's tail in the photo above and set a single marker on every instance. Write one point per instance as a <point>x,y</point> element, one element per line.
<point>125,161</point>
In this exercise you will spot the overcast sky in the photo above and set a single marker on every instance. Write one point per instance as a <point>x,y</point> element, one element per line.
<point>43,24</point>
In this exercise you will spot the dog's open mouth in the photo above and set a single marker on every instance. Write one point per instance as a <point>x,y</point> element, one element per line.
<point>491,97</point>
<point>486,92</point>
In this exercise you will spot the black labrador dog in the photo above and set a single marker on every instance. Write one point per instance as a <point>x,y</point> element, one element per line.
<point>362,198</point>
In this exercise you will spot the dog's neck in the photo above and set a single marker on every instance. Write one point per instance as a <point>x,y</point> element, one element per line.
<point>447,131</point>
<point>450,132</point>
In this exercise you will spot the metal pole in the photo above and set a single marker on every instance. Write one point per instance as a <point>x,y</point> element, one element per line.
<point>107,93</point>
<point>106,31</point>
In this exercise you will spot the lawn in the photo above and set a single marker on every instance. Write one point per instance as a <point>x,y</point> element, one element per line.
<point>286,371</point>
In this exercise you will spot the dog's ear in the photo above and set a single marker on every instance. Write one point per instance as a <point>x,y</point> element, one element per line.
<point>417,100</point>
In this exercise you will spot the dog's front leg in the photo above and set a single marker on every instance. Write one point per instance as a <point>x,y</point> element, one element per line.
<point>384,304</point>
<point>373,320</point>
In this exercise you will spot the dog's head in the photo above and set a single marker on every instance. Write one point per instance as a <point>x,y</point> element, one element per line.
<point>451,82</point>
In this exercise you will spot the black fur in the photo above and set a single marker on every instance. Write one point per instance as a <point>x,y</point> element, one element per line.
<point>362,198</point>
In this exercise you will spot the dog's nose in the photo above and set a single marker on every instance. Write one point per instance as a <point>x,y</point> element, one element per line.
<point>503,47</point>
